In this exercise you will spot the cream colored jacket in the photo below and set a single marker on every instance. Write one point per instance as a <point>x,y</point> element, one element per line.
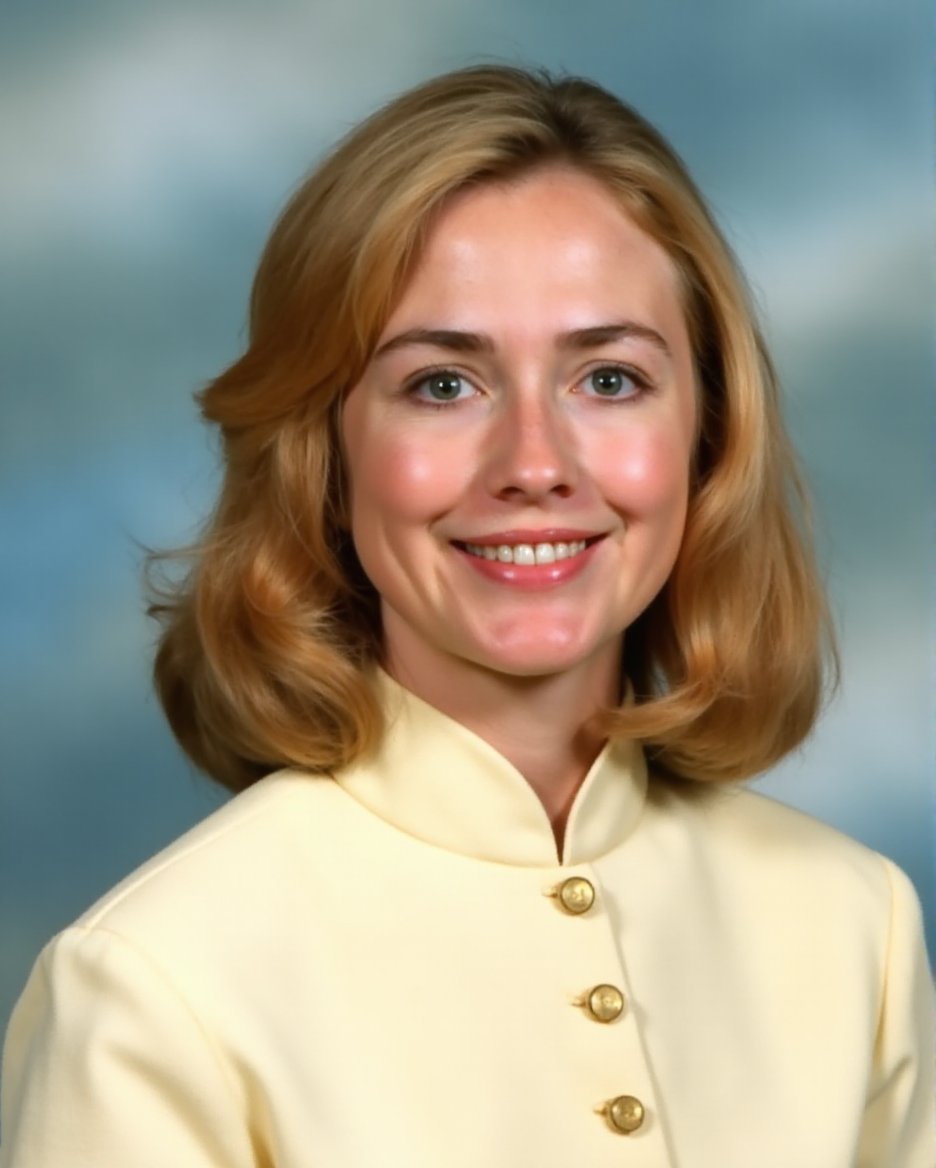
<point>392,970</point>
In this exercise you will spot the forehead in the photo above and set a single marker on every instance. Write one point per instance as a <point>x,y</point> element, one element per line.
<point>556,241</point>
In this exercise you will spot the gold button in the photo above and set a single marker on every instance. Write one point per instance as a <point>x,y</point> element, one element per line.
<point>624,1114</point>
<point>575,895</point>
<point>604,1003</point>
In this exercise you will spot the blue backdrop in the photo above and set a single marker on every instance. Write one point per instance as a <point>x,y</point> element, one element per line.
<point>147,149</point>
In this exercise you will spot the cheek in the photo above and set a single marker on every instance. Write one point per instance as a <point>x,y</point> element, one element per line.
<point>649,474</point>
<point>398,477</point>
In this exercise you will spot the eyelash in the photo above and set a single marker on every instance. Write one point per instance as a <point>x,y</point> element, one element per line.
<point>411,387</point>
<point>642,384</point>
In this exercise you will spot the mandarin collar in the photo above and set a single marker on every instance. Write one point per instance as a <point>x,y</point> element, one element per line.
<point>436,780</point>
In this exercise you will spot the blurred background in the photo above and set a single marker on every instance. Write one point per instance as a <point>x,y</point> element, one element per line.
<point>147,149</point>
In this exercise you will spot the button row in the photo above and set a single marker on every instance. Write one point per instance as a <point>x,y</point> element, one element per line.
<point>603,1003</point>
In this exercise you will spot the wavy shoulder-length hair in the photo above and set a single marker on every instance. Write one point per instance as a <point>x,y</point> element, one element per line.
<point>268,643</point>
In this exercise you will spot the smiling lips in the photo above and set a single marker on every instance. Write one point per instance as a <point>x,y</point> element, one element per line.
<point>528,553</point>
<point>521,558</point>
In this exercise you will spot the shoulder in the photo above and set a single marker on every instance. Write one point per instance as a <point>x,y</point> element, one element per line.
<point>233,861</point>
<point>737,817</point>
<point>788,862</point>
<point>816,921</point>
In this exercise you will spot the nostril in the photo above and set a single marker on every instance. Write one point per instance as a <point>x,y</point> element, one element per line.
<point>531,454</point>
<point>535,489</point>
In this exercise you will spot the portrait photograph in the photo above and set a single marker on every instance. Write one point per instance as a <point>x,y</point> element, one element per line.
<point>467,674</point>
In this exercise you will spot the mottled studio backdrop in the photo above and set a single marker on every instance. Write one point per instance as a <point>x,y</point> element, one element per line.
<point>146,149</point>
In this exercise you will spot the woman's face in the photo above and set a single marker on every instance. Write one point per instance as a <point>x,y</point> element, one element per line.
<point>518,448</point>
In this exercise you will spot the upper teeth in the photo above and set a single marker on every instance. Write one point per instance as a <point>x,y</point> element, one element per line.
<point>527,553</point>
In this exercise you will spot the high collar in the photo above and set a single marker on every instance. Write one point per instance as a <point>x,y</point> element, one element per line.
<point>436,780</point>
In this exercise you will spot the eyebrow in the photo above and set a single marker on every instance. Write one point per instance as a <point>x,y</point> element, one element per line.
<point>459,341</point>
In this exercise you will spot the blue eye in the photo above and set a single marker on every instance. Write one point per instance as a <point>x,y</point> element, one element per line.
<point>441,387</point>
<point>612,381</point>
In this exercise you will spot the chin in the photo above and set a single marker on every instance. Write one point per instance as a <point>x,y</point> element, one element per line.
<point>537,659</point>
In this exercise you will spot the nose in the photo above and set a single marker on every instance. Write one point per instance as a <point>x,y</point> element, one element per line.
<point>531,453</point>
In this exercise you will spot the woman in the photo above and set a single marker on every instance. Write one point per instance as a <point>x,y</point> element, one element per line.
<point>507,495</point>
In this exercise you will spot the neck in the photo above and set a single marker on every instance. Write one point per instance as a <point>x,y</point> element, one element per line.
<point>541,725</point>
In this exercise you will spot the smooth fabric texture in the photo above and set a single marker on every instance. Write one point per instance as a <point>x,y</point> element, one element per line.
<point>372,971</point>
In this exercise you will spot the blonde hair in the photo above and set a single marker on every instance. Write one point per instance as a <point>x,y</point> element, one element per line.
<point>266,648</point>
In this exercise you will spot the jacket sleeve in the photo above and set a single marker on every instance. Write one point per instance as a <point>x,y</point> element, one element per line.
<point>899,1129</point>
<point>104,1064</point>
